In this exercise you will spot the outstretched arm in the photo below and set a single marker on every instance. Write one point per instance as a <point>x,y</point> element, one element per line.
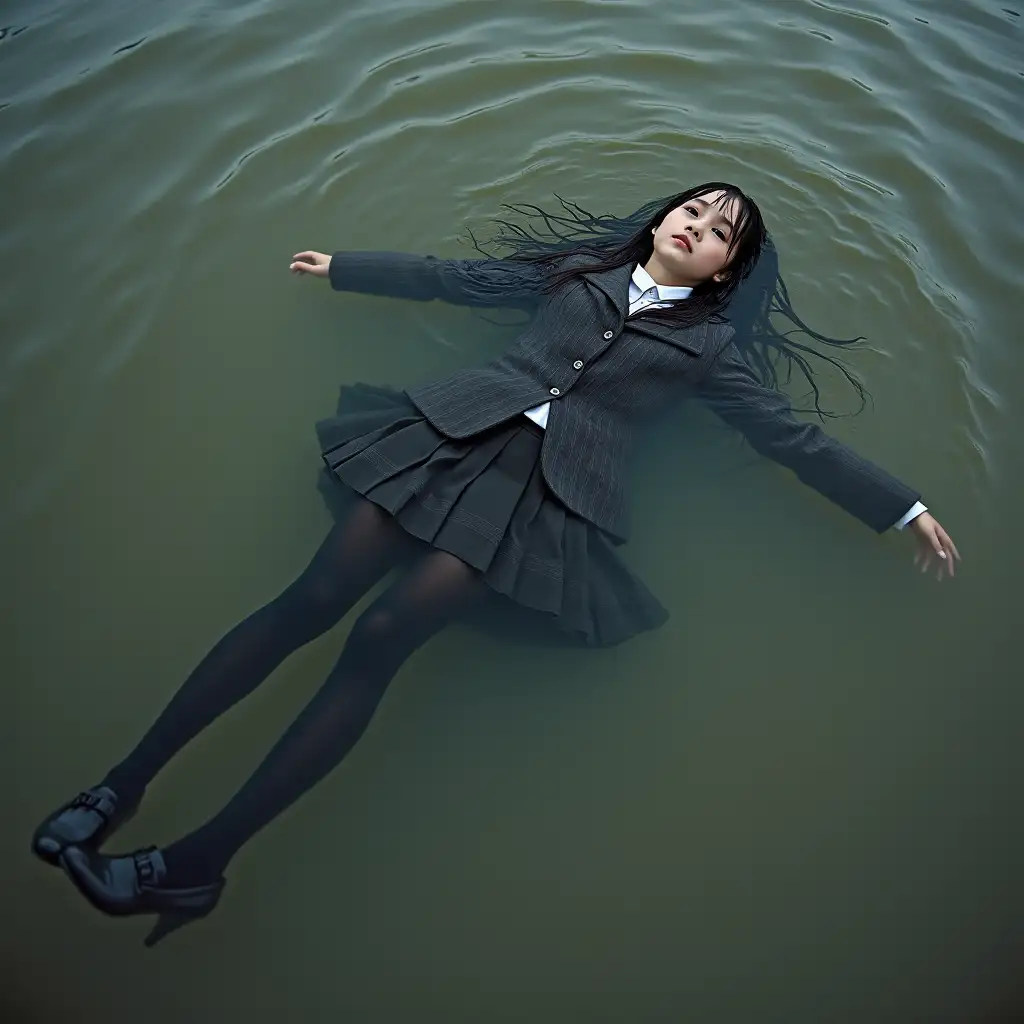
<point>766,419</point>
<point>510,283</point>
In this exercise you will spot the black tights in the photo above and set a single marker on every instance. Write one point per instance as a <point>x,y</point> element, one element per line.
<point>354,556</point>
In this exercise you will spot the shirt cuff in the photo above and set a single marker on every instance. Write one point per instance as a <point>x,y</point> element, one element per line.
<point>915,510</point>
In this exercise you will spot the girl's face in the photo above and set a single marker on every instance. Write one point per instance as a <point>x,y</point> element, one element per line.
<point>691,245</point>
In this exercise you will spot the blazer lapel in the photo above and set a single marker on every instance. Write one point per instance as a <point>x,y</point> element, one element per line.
<point>614,284</point>
<point>690,339</point>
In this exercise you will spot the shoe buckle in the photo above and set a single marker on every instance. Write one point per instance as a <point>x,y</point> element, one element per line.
<point>145,869</point>
<point>90,801</point>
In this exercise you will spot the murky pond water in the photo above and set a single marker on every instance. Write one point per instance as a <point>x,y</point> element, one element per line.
<point>797,801</point>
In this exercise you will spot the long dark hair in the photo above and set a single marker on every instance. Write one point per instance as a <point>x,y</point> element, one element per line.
<point>747,298</point>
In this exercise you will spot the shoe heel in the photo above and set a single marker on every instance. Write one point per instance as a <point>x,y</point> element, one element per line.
<point>168,922</point>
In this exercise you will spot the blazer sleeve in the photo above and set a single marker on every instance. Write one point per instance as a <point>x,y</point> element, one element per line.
<point>483,282</point>
<point>765,418</point>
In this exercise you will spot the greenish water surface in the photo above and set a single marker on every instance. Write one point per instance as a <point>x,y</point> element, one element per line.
<point>797,802</point>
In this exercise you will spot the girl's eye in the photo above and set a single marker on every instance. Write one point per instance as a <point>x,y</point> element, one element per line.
<point>692,210</point>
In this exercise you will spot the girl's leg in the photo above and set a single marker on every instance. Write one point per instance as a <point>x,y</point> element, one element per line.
<point>434,592</point>
<point>353,557</point>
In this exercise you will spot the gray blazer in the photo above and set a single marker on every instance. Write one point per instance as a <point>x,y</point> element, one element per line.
<point>604,374</point>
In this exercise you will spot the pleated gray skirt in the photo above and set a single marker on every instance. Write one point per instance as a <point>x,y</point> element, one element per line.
<point>484,500</point>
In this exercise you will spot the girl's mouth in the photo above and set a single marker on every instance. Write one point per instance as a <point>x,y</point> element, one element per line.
<point>683,241</point>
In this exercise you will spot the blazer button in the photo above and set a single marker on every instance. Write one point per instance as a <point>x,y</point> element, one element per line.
<point>578,365</point>
<point>608,334</point>
<point>555,392</point>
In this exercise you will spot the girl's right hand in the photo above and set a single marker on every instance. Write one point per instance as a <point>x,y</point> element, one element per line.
<point>309,262</point>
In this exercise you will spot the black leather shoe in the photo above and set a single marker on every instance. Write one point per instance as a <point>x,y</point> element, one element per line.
<point>87,820</point>
<point>133,884</point>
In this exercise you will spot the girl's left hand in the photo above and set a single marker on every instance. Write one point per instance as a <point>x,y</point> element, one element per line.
<point>932,539</point>
<point>316,264</point>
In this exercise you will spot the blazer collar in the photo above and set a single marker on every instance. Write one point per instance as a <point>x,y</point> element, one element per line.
<point>615,285</point>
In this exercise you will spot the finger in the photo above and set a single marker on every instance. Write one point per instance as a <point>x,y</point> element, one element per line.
<point>947,541</point>
<point>936,542</point>
<point>926,559</point>
<point>951,560</point>
<point>306,256</point>
<point>950,545</point>
<point>302,268</point>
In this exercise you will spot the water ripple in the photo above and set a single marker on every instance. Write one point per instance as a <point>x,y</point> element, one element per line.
<point>865,134</point>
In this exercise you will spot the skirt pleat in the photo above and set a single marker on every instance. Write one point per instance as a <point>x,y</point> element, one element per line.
<point>484,500</point>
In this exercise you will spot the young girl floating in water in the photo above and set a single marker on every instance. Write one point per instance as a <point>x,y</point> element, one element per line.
<point>506,478</point>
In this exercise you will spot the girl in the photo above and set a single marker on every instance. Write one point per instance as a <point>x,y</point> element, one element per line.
<point>506,478</point>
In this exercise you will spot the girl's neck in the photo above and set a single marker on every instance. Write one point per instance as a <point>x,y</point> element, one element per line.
<point>659,275</point>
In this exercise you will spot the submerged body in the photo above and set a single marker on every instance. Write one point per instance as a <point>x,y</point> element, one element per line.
<point>505,479</point>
